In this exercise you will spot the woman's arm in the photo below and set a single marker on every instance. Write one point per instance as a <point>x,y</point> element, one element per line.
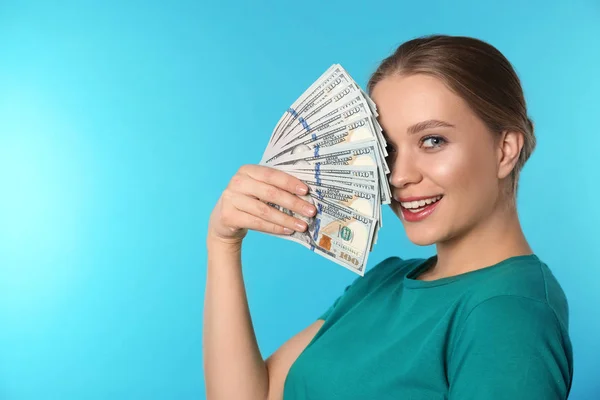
<point>234,368</point>
<point>279,363</point>
<point>233,365</point>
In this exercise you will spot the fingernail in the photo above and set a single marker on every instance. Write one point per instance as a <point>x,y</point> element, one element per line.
<point>301,189</point>
<point>288,231</point>
<point>300,227</point>
<point>309,211</point>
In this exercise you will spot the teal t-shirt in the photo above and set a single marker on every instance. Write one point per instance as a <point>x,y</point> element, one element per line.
<point>499,332</point>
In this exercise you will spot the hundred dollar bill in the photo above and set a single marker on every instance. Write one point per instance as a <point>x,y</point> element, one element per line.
<point>356,176</point>
<point>372,104</point>
<point>336,232</point>
<point>378,128</point>
<point>331,140</point>
<point>356,153</point>
<point>361,197</point>
<point>298,104</point>
<point>347,109</point>
<point>342,172</point>
<point>320,110</point>
<point>350,122</point>
<point>373,108</point>
<point>332,85</point>
<point>350,109</point>
<point>362,154</point>
<point>314,90</point>
<point>346,132</point>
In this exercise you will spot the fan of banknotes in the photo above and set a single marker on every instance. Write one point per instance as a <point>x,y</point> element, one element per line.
<point>331,140</point>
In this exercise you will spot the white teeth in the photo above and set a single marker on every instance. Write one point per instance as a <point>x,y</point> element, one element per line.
<point>420,204</point>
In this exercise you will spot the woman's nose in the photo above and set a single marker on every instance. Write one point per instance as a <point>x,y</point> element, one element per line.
<point>403,171</point>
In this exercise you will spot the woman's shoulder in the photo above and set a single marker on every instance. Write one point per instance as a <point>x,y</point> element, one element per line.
<point>527,278</point>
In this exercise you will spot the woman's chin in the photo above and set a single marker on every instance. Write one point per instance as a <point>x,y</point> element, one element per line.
<point>420,239</point>
<point>421,234</point>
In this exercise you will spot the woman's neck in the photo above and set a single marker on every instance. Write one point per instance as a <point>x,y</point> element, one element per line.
<point>494,240</point>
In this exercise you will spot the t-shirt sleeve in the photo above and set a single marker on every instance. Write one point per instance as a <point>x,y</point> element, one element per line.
<point>359,284</point>
<point>328,312</point>
<point>332,308</point>
<point>511,348</point>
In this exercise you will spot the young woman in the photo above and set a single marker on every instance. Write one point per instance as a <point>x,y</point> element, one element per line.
<point>482,319</point>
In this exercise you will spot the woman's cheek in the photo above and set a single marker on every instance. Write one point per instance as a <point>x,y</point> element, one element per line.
<point>461,171</point>
<point>448,169</point>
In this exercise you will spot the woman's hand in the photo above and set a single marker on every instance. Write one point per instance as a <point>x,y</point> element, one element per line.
<point>242,205</point>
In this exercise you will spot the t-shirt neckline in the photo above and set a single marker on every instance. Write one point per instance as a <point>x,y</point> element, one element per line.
<point>411,282</point>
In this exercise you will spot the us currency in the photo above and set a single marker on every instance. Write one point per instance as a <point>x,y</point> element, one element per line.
<point>350,131</point>
<point>309,95</point>
<point>361,197</point>
<point>325,105</point>
<point>351,121</point>
<point>361,178</point>
<point>330,80</point>
<point>373,108</point>
<point>378,129</point>
<point>330,85</point>
<point>316,115</point>
<point>298,104</point>
<point>336,232</point>
<point>331,140</point>
<point>353,118</point>
<point>323,119</point>
<point>356,153</point>
<point>344,172</point>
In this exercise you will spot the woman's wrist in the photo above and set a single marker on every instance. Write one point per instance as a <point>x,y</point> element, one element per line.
<point>214,242</point>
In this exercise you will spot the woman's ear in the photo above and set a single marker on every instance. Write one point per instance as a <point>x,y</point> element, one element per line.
<point>508,150</point>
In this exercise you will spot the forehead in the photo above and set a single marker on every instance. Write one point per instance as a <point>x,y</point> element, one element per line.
<point>405,100</point>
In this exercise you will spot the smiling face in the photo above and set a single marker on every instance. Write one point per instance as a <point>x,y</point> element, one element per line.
<point>437,146</point>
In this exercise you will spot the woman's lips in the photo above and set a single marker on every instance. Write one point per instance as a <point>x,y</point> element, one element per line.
<point>410,216</point>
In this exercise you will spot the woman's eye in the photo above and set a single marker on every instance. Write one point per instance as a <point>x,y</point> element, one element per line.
<point>436,141</point>
<point>390,149</point>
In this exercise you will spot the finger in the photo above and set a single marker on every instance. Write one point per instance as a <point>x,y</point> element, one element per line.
<point>276,178</point>
<point>267,213</point>
<point>248,221</point>
<point>272,194</point>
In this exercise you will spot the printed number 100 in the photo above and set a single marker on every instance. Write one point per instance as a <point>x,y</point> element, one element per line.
<point>348,257</point>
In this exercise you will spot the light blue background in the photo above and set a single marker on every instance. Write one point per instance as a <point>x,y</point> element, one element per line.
<point>121,123</point>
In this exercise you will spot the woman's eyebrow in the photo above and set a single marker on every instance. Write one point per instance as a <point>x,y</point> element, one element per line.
<point>431,123</point>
